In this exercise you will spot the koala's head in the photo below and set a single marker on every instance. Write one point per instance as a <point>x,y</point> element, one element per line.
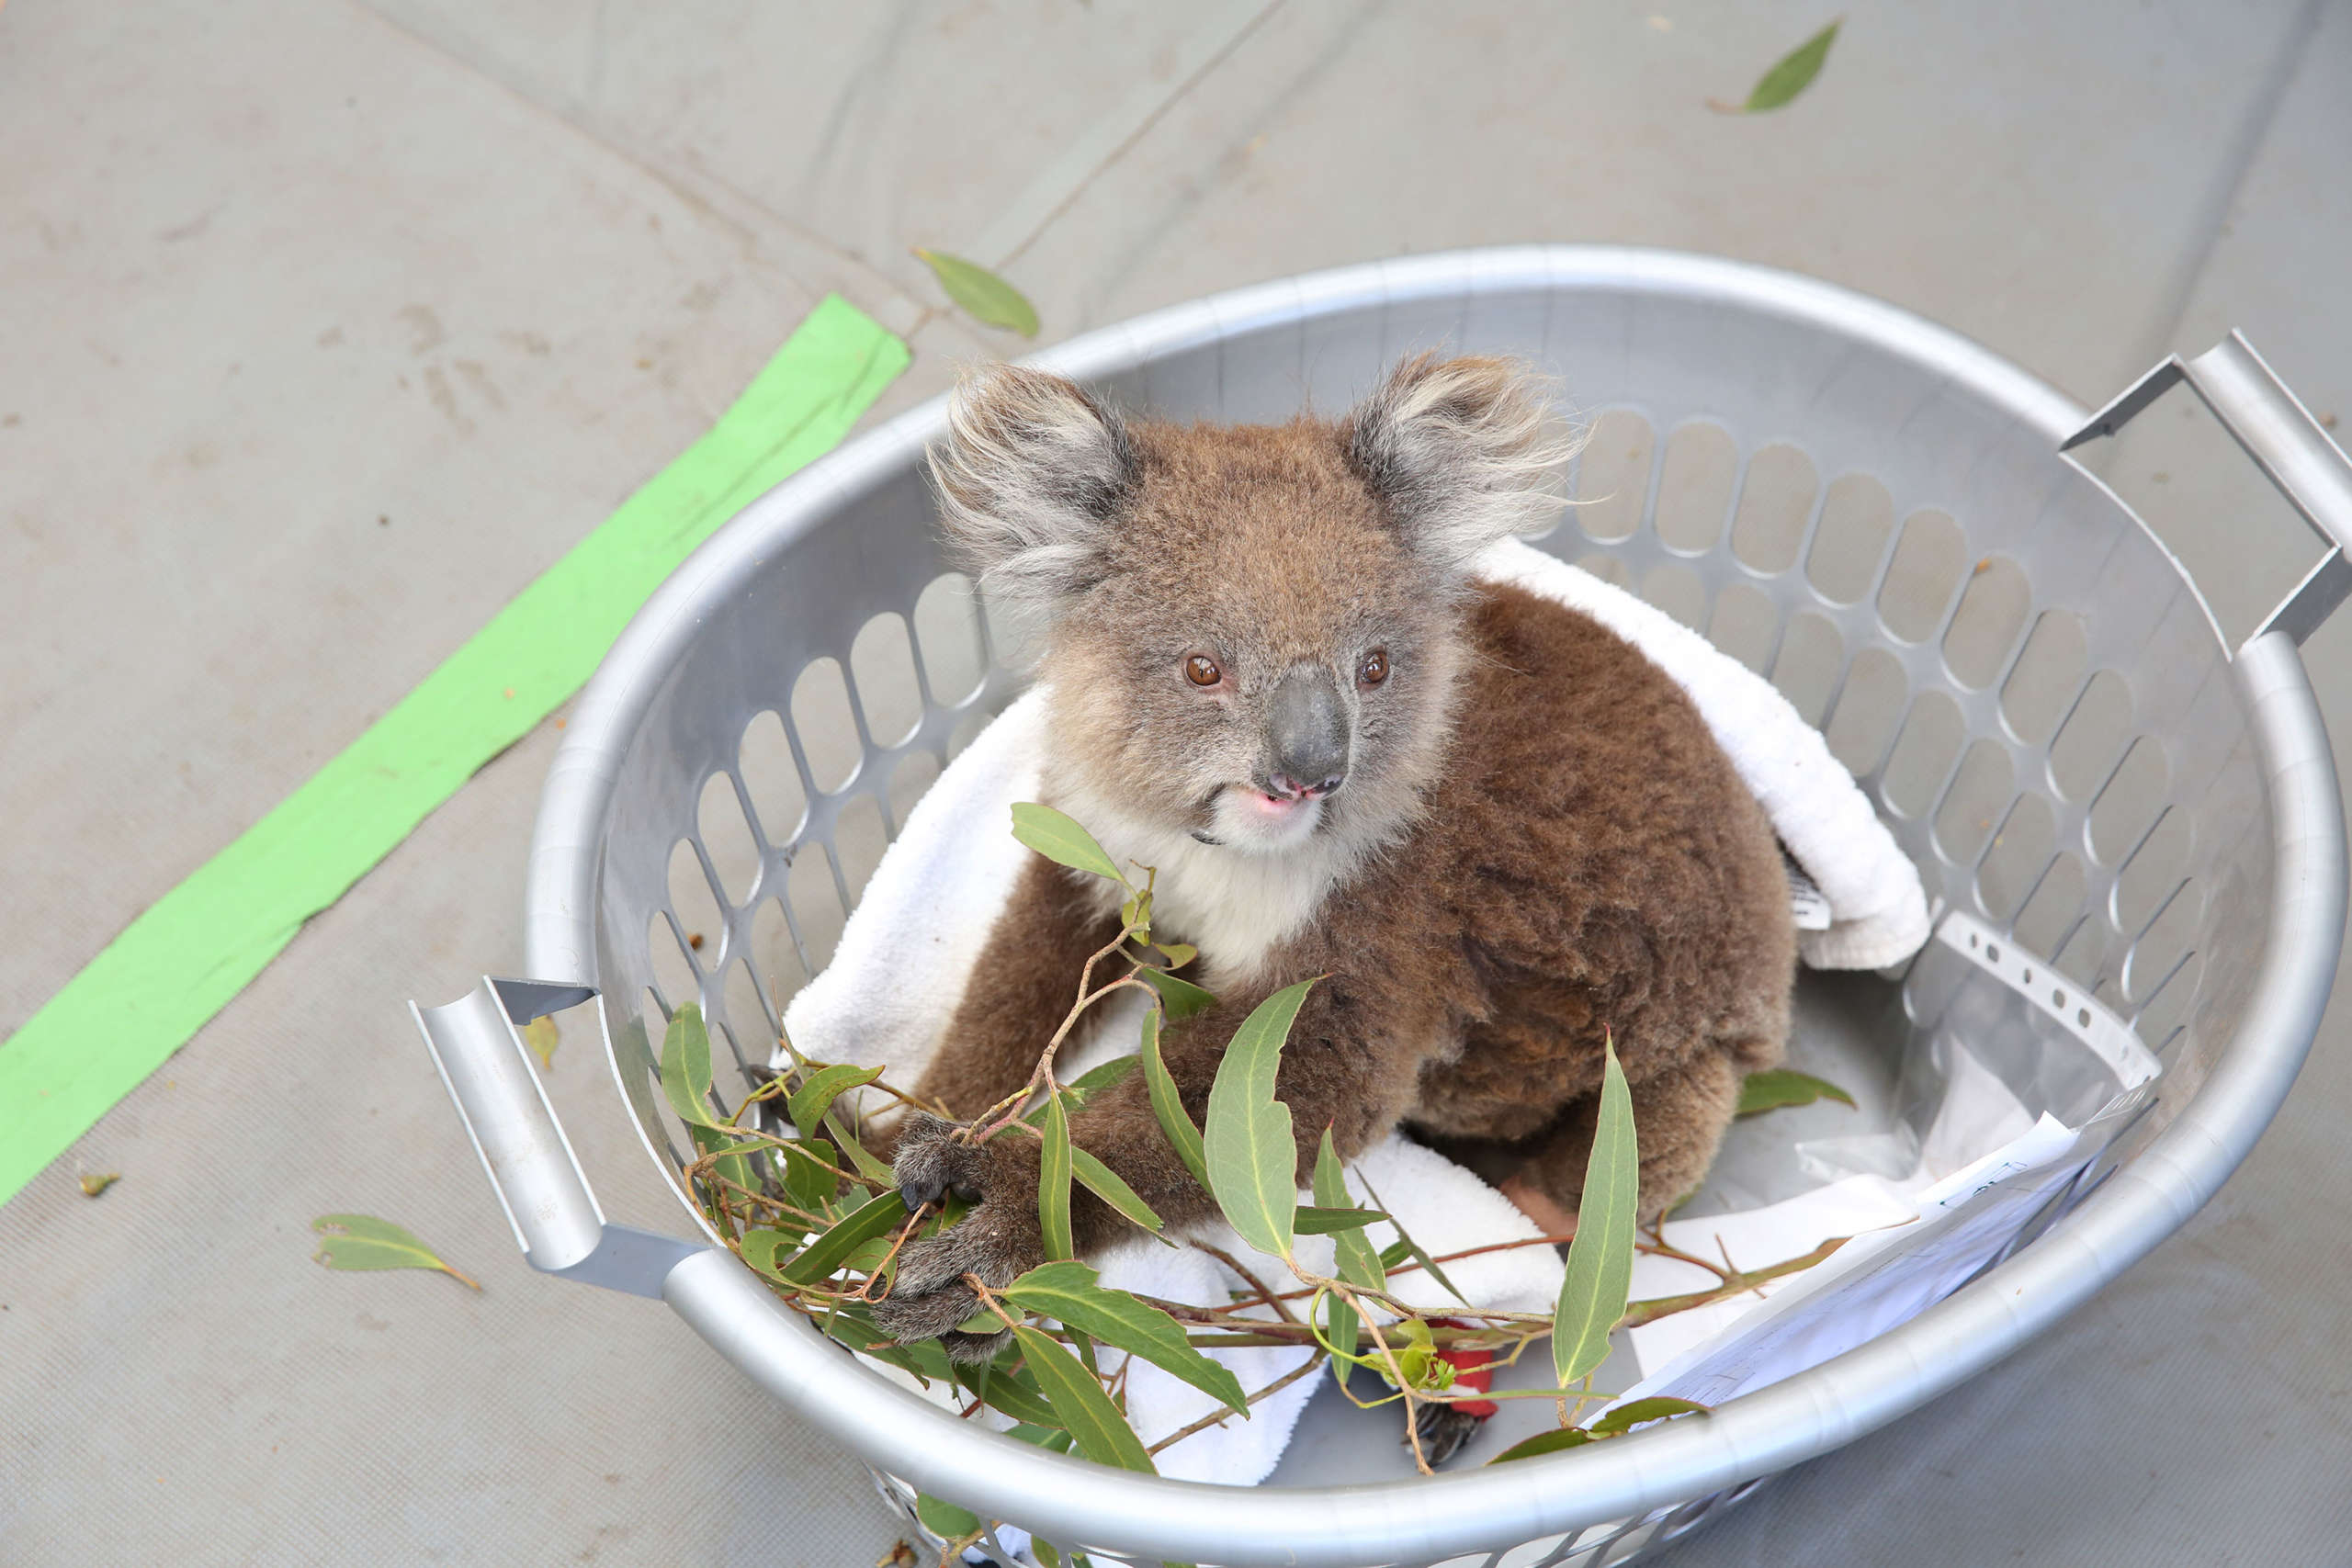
<point>1252,633</point>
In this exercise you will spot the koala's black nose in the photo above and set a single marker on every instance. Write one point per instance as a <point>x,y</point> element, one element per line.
<point>1307,733</point>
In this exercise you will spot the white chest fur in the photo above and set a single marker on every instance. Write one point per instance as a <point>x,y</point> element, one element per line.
<point>1235,906</point>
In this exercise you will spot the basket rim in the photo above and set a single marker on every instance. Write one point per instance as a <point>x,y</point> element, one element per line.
<point>1430,1518</point>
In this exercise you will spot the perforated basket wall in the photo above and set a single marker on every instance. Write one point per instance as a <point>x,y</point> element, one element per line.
<point>2012,666</point>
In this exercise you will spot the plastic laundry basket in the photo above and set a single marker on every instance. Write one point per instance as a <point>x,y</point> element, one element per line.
<point>1870,509</point>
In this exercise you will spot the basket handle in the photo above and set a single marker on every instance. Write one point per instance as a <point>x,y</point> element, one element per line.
<point>479,1051</point>
<point>2284,440</point>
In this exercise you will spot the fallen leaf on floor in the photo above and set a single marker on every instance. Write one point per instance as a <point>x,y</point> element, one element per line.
<point>541,1036</point>
<point>986,297</point>
<point>97,1181</point>
<point>1779,1086</point>
<point>363,1241</point>
<point>1791,75</point>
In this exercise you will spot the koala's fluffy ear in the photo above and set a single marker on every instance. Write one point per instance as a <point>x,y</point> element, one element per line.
<point>1461,452</point>
<point>1031,477</point>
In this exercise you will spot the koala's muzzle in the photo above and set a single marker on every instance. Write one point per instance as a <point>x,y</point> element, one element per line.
<point>1306,734</point>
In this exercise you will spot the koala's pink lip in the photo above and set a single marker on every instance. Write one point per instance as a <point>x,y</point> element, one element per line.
<point>1274,806</point>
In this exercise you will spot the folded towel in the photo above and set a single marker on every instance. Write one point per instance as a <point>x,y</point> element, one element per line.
<point>940,888</point>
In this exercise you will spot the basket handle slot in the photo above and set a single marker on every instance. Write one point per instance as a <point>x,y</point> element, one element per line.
<point>2291,447</point>
<point>478,1049</point>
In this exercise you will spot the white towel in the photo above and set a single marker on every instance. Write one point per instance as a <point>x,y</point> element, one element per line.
<point>945,881</point>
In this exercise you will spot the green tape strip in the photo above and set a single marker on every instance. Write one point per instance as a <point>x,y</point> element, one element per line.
<point>181,962</point>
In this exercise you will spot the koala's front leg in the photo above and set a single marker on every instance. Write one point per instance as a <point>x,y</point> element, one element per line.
<point>996,1243</point>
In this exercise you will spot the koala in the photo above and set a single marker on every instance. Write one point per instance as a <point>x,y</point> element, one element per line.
<point>1497,832</point>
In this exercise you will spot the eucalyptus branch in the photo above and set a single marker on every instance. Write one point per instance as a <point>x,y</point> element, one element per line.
<point>1220,1416</point>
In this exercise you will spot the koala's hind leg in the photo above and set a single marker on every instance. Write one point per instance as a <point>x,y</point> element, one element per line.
<point>1678,1121</point>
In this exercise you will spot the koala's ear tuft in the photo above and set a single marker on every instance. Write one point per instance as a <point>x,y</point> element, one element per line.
<point>1030,477</point>
<point>1461,452</point>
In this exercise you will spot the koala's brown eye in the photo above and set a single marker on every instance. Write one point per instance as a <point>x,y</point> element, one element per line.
<point>1201,670</point>
<point>1374,670</point>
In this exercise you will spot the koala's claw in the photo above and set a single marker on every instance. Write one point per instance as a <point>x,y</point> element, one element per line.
<point>931,1165</point>
<point>1443,1428</point>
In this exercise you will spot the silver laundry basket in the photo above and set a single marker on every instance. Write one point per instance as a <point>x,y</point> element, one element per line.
<point>1866,507</point>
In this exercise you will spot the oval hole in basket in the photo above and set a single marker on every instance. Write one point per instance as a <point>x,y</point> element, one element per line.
<point>909,782</point>
<point>1921,578</point>
<point>816,905</point>
<point>859,839</point>
<point>1868,710</point>
<point>2127,805</point>
<point>2083,958</point>
<point>763,757</point>
<point>2169,936</point>
<point>747,1014</point>
<point>1986,627</point>
<point>2155,868</point>
<point>1922,755</point>
<point>726,836</point>
<point>1694,488</point>
<point>828,732</point>
<point>1775,504</point>
<point>2050,914</point>
<point>2091,740</point>
<point>1675,589</point>
<point>673,978</point>
<point>882,662</point>
<point>1609,570</point>
<point>2048,673</point>
<point>2171,1008</point>
<point>1745,623</point>
<point>1856,515</point>
<point>967,730</point>
<point>775,964</point>
<point>1811,655</point>
<point>1613,475</point>
<point>2014,862</point>
<point>696,906</point>
<point>947,638</point>
<point>1979,795</point>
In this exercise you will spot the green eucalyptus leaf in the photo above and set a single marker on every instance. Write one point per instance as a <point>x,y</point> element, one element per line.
<point>732,1164</point>
<point>1358,1263</point>
<point>1181,997</point>
<point>364,1242</point>
<point>1134,915</point>
<point>1792,73</point>
<point>1543,1443</point>
<point>1168,1104</point>
<point>1248,1143</point>
<point>1061,840</point>
<point>761,1248</point>
<point>1600,1259</point>
<point>1625,1417</point>
<point>863,1162</point>
<point>813,1098</point>
<point>1104,1183</point>
<point>1069,1293</point>
<point>1001,1388</point>
<point>1340,1327</point>
<point>1396,1251</point>
<point>1095,1080</point>
<point>1777,1086</point>
<point>685,1067</point>
<point>808,1179</point>
<point>982,295</point>
<point>1053,1181</point>
<point>1094,1424</point>
<point>942,1518</point>
<point>833,1249</point>
<point>1316,1219</point>
<point>1178,953</point>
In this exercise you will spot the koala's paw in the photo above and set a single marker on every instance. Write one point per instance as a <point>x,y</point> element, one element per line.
<point>1443,1428</point>
<point>996,1243</point>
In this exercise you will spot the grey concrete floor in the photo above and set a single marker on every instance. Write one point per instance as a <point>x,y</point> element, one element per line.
<point>323,328</point>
